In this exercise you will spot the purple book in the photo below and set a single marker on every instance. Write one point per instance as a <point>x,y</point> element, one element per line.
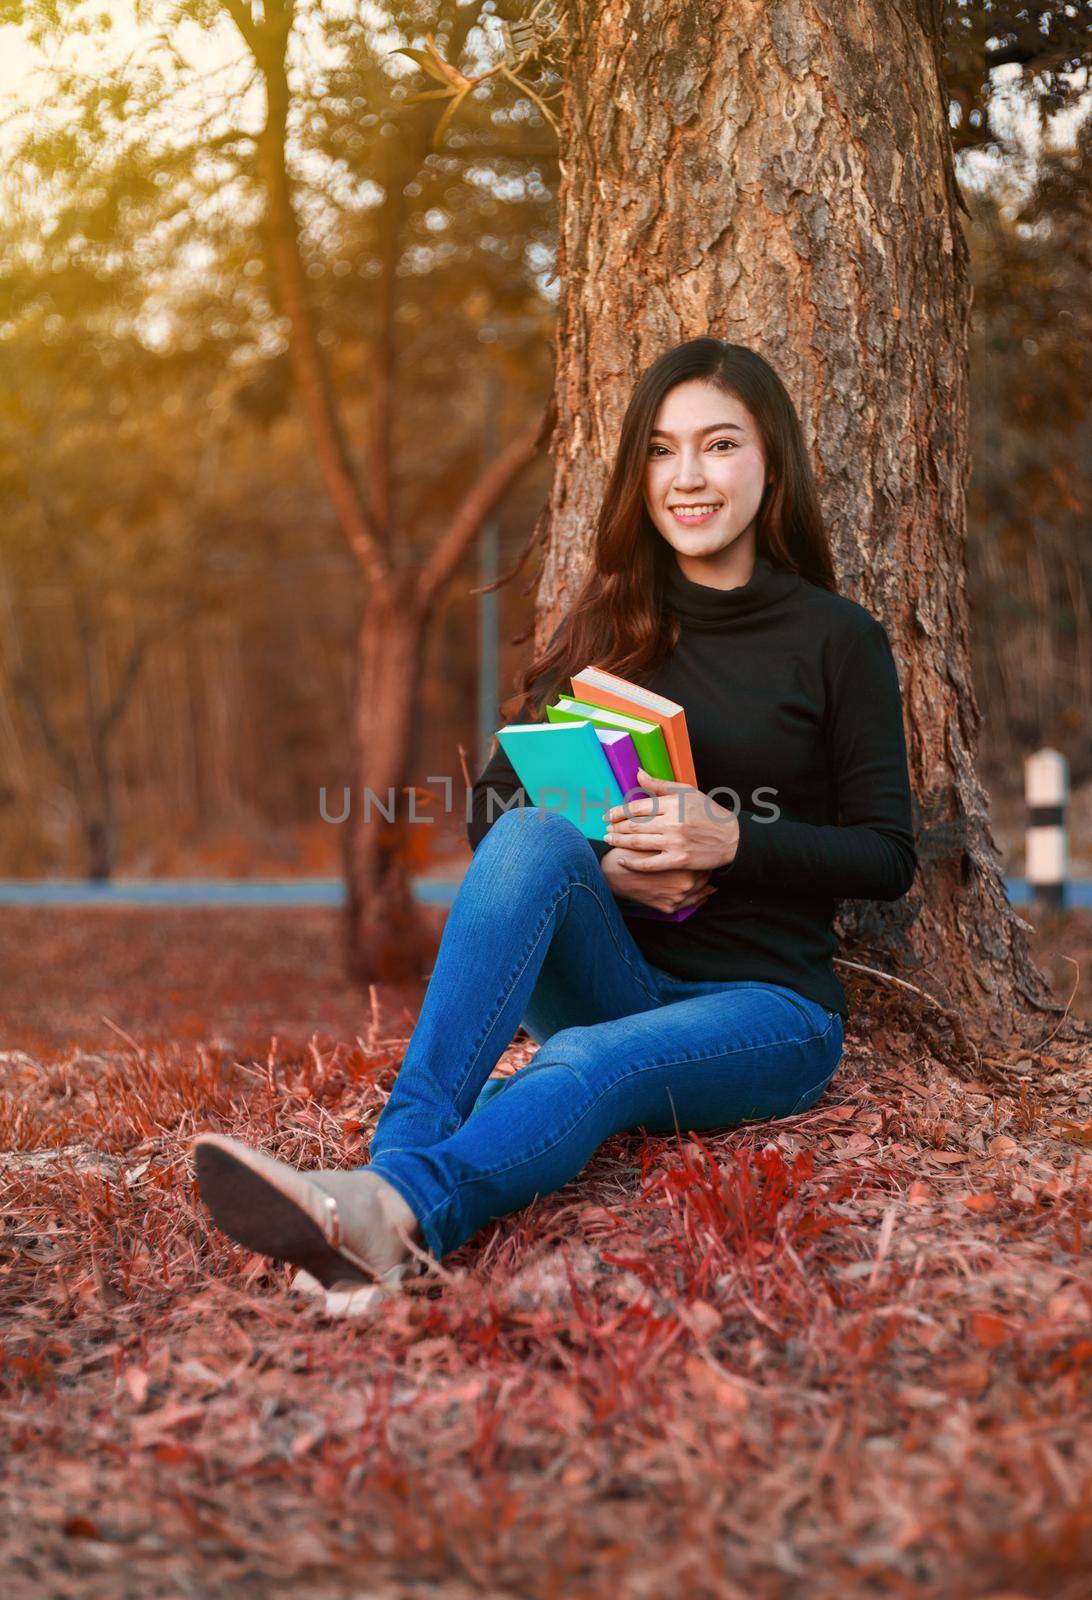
<point>619,749</point>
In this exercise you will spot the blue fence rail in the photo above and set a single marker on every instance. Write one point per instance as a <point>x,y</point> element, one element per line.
<point>298,892</point>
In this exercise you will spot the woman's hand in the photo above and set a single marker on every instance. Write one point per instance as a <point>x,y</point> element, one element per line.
<point>678,827</point>
<point>668,889</point>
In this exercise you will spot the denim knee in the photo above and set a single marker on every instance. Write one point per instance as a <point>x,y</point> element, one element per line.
<point>533,833</point>
<point>532,839</point>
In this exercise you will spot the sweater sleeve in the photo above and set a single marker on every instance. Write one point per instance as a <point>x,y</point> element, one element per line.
<point>870,854</point>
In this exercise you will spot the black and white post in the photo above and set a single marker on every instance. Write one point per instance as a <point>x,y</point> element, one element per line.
<point>1046,786</point>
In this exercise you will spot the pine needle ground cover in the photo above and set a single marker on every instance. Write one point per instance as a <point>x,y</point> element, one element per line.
<point>846,1352</point>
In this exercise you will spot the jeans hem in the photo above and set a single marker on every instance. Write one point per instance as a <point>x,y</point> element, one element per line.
<point>432,1238</point>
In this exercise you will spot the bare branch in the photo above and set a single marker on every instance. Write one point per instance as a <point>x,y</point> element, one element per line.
<point>27,690</point>
<point>490,488</point>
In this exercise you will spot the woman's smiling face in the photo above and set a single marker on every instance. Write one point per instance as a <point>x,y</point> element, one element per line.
<point>706,451</point>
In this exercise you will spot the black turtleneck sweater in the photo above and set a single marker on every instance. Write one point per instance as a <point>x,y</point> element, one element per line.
<point>791,689</point>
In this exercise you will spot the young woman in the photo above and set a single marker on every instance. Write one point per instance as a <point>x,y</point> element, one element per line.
<point>711,583</point>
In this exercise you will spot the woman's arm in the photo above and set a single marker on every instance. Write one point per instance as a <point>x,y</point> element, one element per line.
<point>870,853</point>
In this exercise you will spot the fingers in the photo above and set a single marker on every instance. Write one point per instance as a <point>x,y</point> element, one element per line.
<point>636,838</point>
<point>698,898</point>
<point>653,860</point>
<point>640,860</point>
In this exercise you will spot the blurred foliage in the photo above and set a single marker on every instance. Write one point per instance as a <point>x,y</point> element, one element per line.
<point>140,333</point>
<point>160,499</point>
<point>1029,554</point>
<point>1050,45</point>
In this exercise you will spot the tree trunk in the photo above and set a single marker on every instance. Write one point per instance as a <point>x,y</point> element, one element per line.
<point>385,935</point>
<point>98,846</point>
<point>781,176</point>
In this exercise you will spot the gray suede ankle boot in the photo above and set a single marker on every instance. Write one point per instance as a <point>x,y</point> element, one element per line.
<point>342,1228</point>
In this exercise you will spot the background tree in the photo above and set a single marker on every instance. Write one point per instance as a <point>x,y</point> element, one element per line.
<point>401,597</point>
<point>1031,441</point>
<point>92,577</point>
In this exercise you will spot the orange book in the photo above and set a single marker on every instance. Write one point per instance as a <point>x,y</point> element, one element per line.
<point>600,688</point>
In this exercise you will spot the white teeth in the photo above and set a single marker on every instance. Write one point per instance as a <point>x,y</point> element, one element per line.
<point>692,511</point>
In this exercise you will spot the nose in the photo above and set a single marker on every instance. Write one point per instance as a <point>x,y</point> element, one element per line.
<point>689,475</point>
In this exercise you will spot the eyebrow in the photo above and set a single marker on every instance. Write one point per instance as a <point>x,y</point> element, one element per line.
<point>714,427</point>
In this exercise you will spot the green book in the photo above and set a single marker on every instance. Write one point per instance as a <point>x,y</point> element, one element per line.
<point>648,737</point>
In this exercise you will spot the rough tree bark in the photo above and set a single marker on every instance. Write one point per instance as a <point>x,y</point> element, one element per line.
<point>782,176</point>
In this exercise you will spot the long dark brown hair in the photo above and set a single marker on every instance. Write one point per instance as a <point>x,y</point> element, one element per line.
<point>618,620</point>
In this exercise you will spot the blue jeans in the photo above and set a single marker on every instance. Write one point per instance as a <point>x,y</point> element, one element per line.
<point>535,936</point>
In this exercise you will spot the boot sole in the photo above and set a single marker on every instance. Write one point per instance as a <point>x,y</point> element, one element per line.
<point>252,1210</point>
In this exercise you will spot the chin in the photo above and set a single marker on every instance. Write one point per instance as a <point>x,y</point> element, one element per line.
<point>697,546</point>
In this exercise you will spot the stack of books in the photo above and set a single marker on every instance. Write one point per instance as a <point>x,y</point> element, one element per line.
<point>583,759</point>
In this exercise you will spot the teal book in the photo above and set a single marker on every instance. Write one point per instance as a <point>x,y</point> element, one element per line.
<point>563,767</point>
<point>648,737</point>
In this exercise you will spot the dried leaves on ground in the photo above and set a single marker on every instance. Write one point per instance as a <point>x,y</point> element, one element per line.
<point>845,1352</point>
